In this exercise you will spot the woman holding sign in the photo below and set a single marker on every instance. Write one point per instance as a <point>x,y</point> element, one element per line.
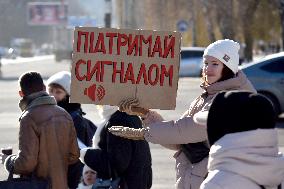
<point>220,73</point>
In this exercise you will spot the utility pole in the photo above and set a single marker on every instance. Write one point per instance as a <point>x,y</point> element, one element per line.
<point>193,21</point>
<point>108,14</point>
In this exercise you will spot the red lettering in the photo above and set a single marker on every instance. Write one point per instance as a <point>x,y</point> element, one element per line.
<point>167,73</point>
<point>157,47</point>
<point>142,72</point>
<point>121,41</point>
<point>115,71</point>
<point>111,36</point>
<point>143,40</point>
<point>103,63</point>
<point>92,70</point>
<point>129,75</point>
<point>91,49</point>
<point>132,44</point>
<point>79,41</point>
<point>156,74</point>
<point>77,70</point>
<point>100,45</point>
<point>169,46</point>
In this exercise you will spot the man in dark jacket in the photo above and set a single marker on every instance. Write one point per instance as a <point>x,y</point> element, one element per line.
<point>47,137</point>
<point>114,156</point>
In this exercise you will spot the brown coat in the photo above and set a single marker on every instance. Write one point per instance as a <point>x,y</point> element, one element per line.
<point>172,133</point>
<point>47,142</point>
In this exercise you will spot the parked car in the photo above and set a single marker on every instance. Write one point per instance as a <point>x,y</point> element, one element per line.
<point>6,52</point>
<point>191,61</point>
<point>23,47</point>
<point>267,76</point>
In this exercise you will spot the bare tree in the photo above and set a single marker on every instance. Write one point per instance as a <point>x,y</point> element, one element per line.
<point>281,13</point>
<point>208,10</point>
<point>225,17</point>
<point>247,9</point>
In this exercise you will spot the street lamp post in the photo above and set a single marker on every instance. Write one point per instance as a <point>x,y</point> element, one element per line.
<point>108,14</point>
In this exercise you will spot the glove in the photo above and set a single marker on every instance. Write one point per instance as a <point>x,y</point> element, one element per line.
<point>131,107</point>
<point>127,132</point>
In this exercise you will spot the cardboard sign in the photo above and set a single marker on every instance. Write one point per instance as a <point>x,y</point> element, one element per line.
<point>110,65</point>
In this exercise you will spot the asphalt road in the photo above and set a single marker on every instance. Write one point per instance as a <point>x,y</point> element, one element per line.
<point>163,162</point>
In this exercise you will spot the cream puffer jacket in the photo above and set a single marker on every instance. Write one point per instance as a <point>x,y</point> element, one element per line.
<point>245,160</point>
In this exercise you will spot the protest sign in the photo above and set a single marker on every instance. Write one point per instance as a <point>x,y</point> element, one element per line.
<point>110,65</point>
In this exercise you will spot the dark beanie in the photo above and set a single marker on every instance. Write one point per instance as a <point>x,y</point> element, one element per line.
<point>237,111</point>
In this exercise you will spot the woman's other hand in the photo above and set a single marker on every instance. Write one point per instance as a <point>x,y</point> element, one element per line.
<point>131,107</point>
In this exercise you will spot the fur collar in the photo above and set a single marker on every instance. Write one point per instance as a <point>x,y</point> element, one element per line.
<point>35,99</point>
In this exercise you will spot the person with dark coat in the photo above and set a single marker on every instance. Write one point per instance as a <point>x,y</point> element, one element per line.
<point>113,156</point>
<point>59,87</point>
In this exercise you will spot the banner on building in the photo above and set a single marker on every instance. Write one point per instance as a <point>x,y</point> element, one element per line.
<point>47,13</point>
<point>110,65</point>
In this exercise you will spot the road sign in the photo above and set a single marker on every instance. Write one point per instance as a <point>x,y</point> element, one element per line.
<point>182,25</point>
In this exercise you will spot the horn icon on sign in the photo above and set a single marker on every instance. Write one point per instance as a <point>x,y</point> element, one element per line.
<point>94,92</point>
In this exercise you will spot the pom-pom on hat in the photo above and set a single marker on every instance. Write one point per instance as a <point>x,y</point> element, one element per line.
<point>227,51</point>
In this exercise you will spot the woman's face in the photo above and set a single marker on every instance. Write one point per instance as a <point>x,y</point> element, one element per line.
<point>212,69</point>
<point>90,177</point>
<point>58,93</point>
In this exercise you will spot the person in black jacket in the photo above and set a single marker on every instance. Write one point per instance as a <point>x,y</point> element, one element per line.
<point>59,87</point>
<point>113,156</point>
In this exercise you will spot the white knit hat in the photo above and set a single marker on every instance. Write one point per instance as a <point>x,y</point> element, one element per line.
<point>62,78</point>
<point>227,51</point>
<point>86,168</point>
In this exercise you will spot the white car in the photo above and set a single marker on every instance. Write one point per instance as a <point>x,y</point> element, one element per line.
<point>267,76</point>
<point>191,61</point>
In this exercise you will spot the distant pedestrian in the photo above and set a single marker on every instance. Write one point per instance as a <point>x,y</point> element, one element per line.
<point>244,146</point>
<point>220,73</point>
<point>59,86</point>
<point>47,137</point>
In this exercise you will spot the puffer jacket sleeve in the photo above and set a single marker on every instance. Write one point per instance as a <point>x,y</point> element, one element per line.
<point>74,152</point>
<point>26,160</point>
<point>153,117</point>
<point>182,131</point>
